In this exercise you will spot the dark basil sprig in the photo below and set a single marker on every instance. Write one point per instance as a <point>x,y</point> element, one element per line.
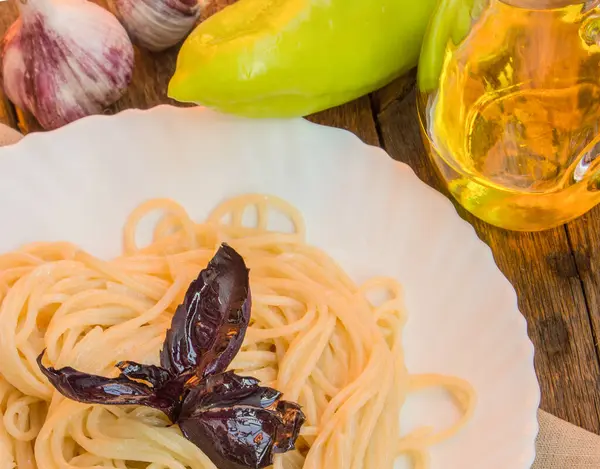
<point>234,421</point>
<point>208,329</point>
<point>237,423</point>
<point>148,386</point>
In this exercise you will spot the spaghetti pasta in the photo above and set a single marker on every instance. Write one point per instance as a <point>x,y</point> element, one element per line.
<point>314,335</point>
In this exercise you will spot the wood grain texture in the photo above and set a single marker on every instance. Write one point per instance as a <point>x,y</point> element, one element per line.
<point>395,91</point>
<point>544,272</point>
<point>584,235</point>
<point>355,117</point>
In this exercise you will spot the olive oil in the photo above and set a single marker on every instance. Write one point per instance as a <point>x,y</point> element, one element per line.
<point>513,125</point>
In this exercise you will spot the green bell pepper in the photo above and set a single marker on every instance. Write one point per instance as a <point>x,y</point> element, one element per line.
<point>284,58</point>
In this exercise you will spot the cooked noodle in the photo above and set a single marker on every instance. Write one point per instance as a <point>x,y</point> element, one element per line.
<point>314,335</point>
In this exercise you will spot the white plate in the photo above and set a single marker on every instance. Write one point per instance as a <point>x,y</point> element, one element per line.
<point>372,214</point>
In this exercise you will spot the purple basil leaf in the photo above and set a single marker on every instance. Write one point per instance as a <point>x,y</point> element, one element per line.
<point>208,329</point>
<point>237,423</point>
<point>155,375</point>
<point>167,387</point>
<point>293,419</point>
<point>228,389</point>
<point>152,389</point>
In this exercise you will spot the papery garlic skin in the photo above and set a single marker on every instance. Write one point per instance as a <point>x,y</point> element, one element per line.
<point>13,66</point>
<point>65,59</point>
<point>157,25</point>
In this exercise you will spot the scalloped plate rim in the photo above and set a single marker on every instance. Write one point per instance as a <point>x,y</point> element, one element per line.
<point>34,141</point>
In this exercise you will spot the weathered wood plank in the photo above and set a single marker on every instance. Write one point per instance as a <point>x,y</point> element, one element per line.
<point>151,77</point>
<point>153,71</point>
<point>357,117</point>
<point>543,270</point>
<point>395,91</point>
<point>584,235</point>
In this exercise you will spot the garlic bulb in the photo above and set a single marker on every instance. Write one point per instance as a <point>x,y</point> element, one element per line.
<point>65,59</point>
<point>157,24</point>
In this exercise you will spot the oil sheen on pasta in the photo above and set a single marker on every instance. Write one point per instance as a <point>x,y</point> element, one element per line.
<point>314,335</point>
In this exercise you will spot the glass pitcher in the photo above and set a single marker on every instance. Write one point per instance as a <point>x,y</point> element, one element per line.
<point>509,103</point>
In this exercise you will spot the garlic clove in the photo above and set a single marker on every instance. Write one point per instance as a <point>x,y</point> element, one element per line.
<point>157,25</point>
<point>14,66</point>
<point>65,59</point>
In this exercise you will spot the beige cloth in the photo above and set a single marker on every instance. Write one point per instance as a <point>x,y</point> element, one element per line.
<point>560,445</point>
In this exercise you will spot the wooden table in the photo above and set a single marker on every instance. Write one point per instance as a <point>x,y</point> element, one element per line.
<point>555,273</point>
